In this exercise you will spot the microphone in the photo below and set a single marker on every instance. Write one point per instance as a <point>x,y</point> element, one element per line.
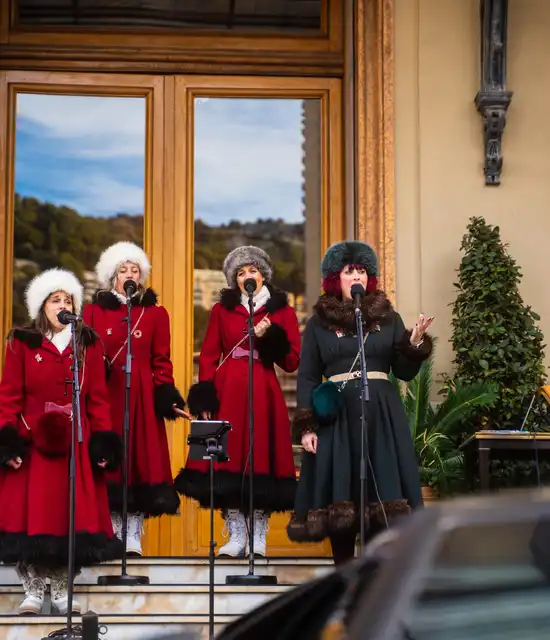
<point>250,285</point>
<point>357,292</point>
<point>130,287</point>
<point>66,317</point>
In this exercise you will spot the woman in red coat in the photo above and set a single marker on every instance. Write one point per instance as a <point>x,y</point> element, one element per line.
<point>35,440</point>
<point>222,392</point>
<point>153,396</point>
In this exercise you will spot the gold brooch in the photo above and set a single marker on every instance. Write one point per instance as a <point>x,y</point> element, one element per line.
<point>137,334</point>
<point>38,357</point>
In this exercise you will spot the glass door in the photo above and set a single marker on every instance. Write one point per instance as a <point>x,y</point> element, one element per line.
<point>262,165</point>
<point>189,168</point>
<point>82,166</point>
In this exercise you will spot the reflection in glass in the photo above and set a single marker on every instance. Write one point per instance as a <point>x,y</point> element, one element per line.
<point>295,15</point>
<point>257,181</point>
<point>79,184</point>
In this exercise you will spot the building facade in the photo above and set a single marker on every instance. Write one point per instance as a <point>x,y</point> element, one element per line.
<point>286,123</point>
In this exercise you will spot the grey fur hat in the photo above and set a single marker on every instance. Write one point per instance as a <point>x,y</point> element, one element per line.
<point>247,255</point>
<point>350,252</point>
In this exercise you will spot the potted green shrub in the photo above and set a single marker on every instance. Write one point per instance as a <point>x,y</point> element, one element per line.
<point>495,334</point>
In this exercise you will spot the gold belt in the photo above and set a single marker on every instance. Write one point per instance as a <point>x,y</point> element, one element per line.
<point>372,375</point>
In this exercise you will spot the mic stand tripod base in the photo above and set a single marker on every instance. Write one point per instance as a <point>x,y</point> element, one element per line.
<point>123,580</point>
<point>90,629</point>
<point>251,580</point>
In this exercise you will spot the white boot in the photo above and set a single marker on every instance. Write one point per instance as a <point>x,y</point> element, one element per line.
<point>60,593</point>
<point>135,531</point>
<point>35,588</point>
<point>235,526</point>
<point>116,520</point>
<point>261,519</point>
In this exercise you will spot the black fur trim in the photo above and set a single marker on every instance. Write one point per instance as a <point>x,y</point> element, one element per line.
<point>106,445</point>
<point>149,299</point>
<point>202,396</point>
<point>33,338</point>
<point>167,395</point>
<point>12,445</point>
<point>108,300</point>
<point>28,335</point>
<point>273,346</point>
<point>416,354</point>
<point>150,499</point>
<point>230,492</point>
<point>303,421</point>
<point>337,315</point>
<point>89,336</point>
<point>51,551</point>
<point>277,301</point>
<point>392,509</point>
<point>343,518</point>
<point>230,299</point>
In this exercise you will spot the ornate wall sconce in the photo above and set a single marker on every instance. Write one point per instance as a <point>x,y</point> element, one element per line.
<point>492,100</point>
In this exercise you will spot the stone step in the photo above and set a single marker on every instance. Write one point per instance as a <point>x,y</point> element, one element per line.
<point>118,627</point>
<point>163,600</point>
<point>186,571</point>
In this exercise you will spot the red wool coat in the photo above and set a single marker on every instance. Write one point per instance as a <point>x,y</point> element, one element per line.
<point>152,394</point>
<point>224,393</point>
<point>34,499</point>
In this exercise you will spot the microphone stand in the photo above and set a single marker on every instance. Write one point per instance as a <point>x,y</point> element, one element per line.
<point>364,442</point>
<point>251,579</point>
<point>124,579</point>
<point>214,445</point>
<point>76,436</point>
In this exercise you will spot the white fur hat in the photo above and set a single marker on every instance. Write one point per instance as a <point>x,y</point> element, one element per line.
<point>118,254</point>
<point>48,282</point>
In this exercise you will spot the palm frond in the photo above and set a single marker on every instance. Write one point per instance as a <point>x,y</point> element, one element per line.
<point>409,403</point>
<point>454,462</point>
<point>417,400</point>
<point>459,404</point>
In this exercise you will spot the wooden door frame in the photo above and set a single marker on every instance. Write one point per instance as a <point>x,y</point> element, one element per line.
<point>373,93</point>
<point>182,50</point>
<point>370,200</point>
<point>156,91</point>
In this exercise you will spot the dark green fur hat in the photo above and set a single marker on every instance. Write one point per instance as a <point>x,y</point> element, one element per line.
<point>350,252</point>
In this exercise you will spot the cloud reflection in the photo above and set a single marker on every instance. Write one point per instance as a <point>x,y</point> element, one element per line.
<point>87,152</point>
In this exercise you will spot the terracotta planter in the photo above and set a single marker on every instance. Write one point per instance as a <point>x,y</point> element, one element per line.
<point>429,496</point>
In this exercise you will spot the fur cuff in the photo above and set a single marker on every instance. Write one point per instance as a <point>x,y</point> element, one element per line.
<point>203,397</point>
<point>416,354</point>
<point>273,345</point>
<point>12,445</point>
<point>52,434</point>
<point>107,365</point>
<point>304,421</point>
<point>167,395</point>
<point>105,445</point>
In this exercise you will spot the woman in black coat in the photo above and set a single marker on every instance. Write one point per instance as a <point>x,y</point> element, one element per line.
<point>328,417</point>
